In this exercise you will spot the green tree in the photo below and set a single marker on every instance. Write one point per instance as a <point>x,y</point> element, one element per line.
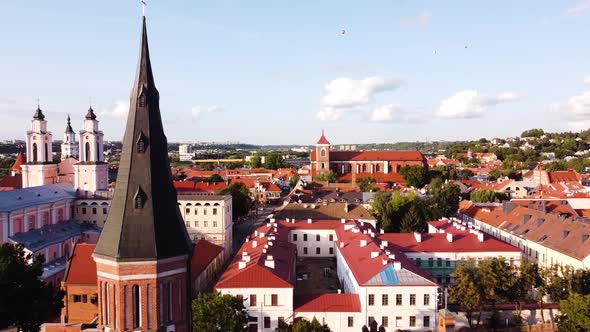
<point>302,325</point>
<point>467,290</point>
<point>412,221</point>
<point>415,176</point>
<point>366,184</point>
<point>328,176</point>
<point>575,313</point>
<point>25,301</point>
<point>242,201</point>
<point>293,181</point>
<point>214,178</point>
<point>255,161</point>
<point>532,133</point>
<point>216,312</point>
<point>445,199</point>
<point>528,276</point>
<point>274,160</point>
<point>466,174</point>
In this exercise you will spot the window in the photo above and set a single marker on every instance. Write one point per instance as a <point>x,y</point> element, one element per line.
<point>205,223</point>
<point>426,321</point>
<point>371,299</point>
<point>430,262</point>
<point>281,319</point>
<point>426,299</point>
<point>317,237</point>
<point>240,297</point>
<point>104,210</point>
<point>196,211</point>
<point>252,300</point>
<point>317,250</point>
<point>331,251</point>
<point>214,223</point>
<point>384,299</point>
<point>214,211</point>
<point>398,299</point>
<point>84,298</point>
<point>274,300</point>
<point>350,321</point>
<point>371,319</point>
<point>267,322</point>
<point>448,262</point>
<point>439,262</point>
<point>205,212</point>
<point>412,321</point>
<point>76,298</point>
<point>418,261</point>
<point>384,321</point>
<point>93,210</point>
<point>331,237</point>
<point>412,299</point>
<point>398,321</point>
<point>196,223</point>
<point>83,210</point>
<point>135,306</point>
<point>305,250</point>
<point>304,237</point>
<point>448,279</point>
<point>294,237</point>
<point>188,211</point>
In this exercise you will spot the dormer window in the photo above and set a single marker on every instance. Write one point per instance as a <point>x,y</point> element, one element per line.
<point>142,143</point>
<point>139,199</point>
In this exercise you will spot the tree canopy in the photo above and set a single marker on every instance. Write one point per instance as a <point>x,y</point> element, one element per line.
<point>274,160</point>
<point>255,161</point>
<point>302,325</point>
<point>328,176</point>
<point>487,196</point>
<point>216,312</point>
<point>25,301</point>
<point>242,201</point>
<point>366,184</point>
<point>415,176</point>
<point>575,313</point>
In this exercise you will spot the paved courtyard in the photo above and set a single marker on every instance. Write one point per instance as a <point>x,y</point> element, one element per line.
<point>316,275</point>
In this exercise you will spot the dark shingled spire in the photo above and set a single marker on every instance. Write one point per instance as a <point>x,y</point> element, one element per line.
<point>144,222</point>
<point>38,114</point>
<point>69,129</point>
<point>90,115</point>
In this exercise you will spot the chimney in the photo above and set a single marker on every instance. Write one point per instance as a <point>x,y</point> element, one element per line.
<point>374,254</point>
<point>269,262</point>
<point>244,254</point>
<point>264,250</point>
<point>261,234</point>
<point>254,244</point>
<point>480,236</point>
<point>391,256</point>
<point>418,237</point>
<point>384,243</point>
<point>341,244</point>
<point>339,291</point>
<point>397,266</point>
<point>381,231</point>
<point>256,233</point>
<point>346,207</point>
<point>450,237</point>
<point>384,261</point>
<point>287,220</point>
<point>241,265</point>
<point>363,243</point>
<point>270,243</point>
<point>543,207</point>
<point>309,221</point>
<point>343,221</point>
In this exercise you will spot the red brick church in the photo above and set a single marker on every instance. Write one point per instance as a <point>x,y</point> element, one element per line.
<point>349,166</point>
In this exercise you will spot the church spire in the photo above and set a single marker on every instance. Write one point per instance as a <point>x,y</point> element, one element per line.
<point>144,222</point>
<point>69,129</point>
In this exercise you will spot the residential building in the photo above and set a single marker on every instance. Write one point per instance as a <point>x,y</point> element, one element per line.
<point>206,263</point>
<point>79,286</point>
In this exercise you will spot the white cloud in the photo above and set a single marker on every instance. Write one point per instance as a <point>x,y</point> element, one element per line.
<point>346,94</point>
<point>469,104</point>
<point>118,110</point>
<point>198,111</point>
<point>576,108</point>
<point>423,18</point>
<point>587,80</point>
<point>578,9</point>
<point>386,113</point>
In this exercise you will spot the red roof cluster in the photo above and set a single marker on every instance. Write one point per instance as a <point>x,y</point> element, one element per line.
<point>374,156</point>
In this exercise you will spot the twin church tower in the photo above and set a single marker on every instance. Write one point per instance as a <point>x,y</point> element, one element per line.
<point>82,163</point>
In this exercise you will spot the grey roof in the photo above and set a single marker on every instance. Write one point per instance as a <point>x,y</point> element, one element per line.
<point>40,238</point>
<point>38,114</point>
<point>144,221</point>
<point>69,129</point>
<point>22,198</point>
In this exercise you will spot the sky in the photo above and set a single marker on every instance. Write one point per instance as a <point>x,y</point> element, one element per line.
<point>278,72</point>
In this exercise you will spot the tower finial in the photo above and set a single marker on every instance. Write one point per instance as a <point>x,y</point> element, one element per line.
<point>143,4</point>
<point>38,103</point>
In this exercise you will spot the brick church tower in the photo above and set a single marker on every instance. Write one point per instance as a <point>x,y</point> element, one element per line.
<point>322,152</point>
<point>143,254</point>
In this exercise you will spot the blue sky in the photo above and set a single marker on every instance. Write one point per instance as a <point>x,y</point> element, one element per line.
<point>277,72</point>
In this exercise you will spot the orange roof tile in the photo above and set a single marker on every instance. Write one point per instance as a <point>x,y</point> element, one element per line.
<point>81,267</point>
<point>330,302</point>
<point>204,252</point>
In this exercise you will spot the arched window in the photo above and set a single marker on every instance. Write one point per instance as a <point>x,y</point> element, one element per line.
<point>323,152</point>
<point>46,152</point>
<point>34,152</point>
<point>136,306</point>
<point>323,165</point>
<point>87,151</point>
<point>148,295</point>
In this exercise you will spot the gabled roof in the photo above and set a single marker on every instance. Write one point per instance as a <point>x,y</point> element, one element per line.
<point>10,182</point>
<point>81,267</point>
<point>34,196</point>
<point>144,222</point>
<point>373,156</point>
<point>330,302</point>
<point>17,163</point>
<point>563,176</point>
<point>204,252</point>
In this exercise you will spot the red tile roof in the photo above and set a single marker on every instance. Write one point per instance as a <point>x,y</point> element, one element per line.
<point>374,156</point>
<point>330,302</point>
<point>204,252</point>
<point>193,186</point>
<point>379,177</point>
<point>563,176</point>
<point>463,241</point>
<point>17,163</point>
<point>9,182</point>
<point>81,267</point>
<point>323,139</point>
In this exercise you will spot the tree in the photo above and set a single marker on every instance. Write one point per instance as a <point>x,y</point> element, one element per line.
<point>214,178</point>
<point>328,176</point>
<point>466,174</point>
<point>575,313</point>
<point>274,160</point>
<point>25,301</point>
<point>532,133</point>
<point>412,221</point>
<point>302,325</point>
<point>467,289</point>
<point>294,180</point>
<point>242,201</point>
<point>216,312</point>
<point>366,184</point>
<point>445,199</point>
<point>415,176</point>
<point>255,161</point>
<point>528,276</point>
